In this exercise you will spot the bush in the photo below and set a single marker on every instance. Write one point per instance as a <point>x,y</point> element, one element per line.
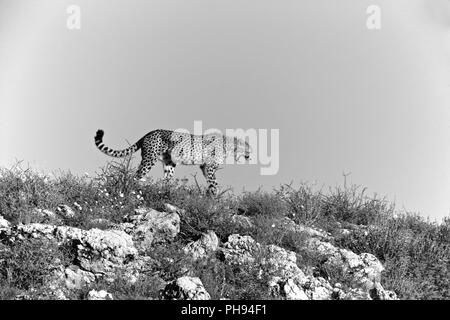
<point>29,263</point>
<point>261,204</point>
<point>22,190</point>
<point>353,206</point>
<point>414,251</point>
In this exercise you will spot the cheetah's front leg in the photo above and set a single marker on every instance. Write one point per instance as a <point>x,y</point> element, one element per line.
<point>168,165</point>
<point>209,171</point>
<point>169,169</point>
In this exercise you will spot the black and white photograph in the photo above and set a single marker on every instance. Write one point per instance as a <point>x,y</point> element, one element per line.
<point>232,155</point>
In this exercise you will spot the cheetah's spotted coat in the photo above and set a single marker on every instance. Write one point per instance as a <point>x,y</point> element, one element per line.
<point>172,147</point>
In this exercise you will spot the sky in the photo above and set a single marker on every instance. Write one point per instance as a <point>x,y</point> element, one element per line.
<point>373,104</point>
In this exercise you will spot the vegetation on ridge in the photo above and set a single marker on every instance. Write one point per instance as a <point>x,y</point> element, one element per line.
<point>414,250</point>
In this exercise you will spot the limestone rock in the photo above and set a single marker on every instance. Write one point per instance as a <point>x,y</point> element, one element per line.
<point>186,288</point>
<point>293,291</point>
<point>76,278</point>
<point>281,263</point>
<point>208,243</point>
<point>45,215</point>
<point>364,269</point>
<point>149,226</point>
<point>379,293</point>
<point>99,295</point>
<point>65,211</point>
<point>240,250</point>
<point>242,221</point>
<point>4,224</point>
<point>289,225</point>
<point>173,209</point>
<point>97,251</point>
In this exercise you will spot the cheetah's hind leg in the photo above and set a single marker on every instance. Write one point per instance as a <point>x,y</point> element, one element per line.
<point>144,168</point>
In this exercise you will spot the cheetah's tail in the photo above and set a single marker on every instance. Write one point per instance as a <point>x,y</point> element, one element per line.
<point>114,153</point>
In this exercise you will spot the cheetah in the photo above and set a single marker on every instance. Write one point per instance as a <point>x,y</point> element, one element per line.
<point>173,147</point>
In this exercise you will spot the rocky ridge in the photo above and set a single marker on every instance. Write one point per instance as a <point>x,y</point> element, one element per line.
<point>102,254</point>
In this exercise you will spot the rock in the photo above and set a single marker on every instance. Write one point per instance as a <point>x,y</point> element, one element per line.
<point>240,250</point>
<point>34,230</point>
<point>100,251</point>
<point>102,222</point>
<point>302,288</point>
<point>242,221</point>
<point>97,251</point>
<point>276,261</point>
<point>314,288</point>
<point>364,270</point>
<point>48,213</point>
<point>75,278</point>
<point>351,294</point>
<point>186,288</point>
<point>379,293</point>
<point>208,243</point>
<point>149,226</point>
<point>173,209</point>
<point>99,295</point>
<point>58,294</point>
<point>4,224</point>
<point>319,289</point>
<point>44,213</point>
<point>65,211</point>
<point>369,275</point>
<point>289,225</point>
<point>344,232</point>
<point>23,296</point>
<point>132,270</point>
<point>281,263</point>
<point>285,278</point>
<point>293,291</point>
